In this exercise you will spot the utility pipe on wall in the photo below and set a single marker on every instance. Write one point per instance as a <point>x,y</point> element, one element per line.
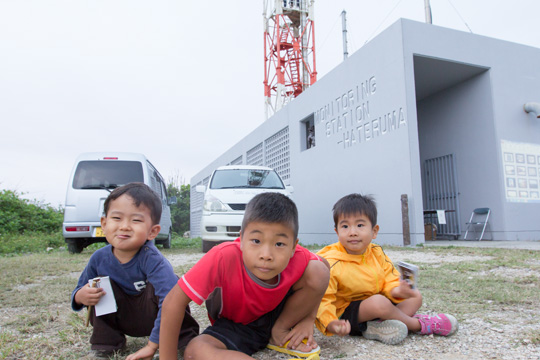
<point>533,107</point>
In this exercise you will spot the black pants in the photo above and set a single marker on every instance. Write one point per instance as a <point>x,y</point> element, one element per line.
<point>135,317</point>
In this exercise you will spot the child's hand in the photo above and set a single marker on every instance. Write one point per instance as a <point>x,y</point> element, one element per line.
<point>404,290</point>
<point>88,295</point>
<point>146,353</point>
<point>302,330</point>
<point>339,327</point>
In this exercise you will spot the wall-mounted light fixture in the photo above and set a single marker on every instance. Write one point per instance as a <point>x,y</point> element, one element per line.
<point>533,107</point>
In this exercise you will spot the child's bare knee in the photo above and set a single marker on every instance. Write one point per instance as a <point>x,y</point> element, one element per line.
<point>416,298</point>
<point>191,348</point>
<point>379,305</point>
<point>188,353</point>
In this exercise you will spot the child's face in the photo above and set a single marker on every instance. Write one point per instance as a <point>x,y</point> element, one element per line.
<point>267,249</point>
<point>127,226</point>
<point>355,232</point>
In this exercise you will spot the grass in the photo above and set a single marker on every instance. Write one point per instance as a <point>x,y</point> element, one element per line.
<point>35,287</point>
<point>533,338</point>
<point>30,242</point>
<point>36,320</point>
<point>186,244</point>
<point>485,283</point>
<point>35,242</point>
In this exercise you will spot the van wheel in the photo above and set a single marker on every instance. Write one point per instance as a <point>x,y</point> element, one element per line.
<point>167,243</point>
<point>207,245</point>
<point>74,246</point>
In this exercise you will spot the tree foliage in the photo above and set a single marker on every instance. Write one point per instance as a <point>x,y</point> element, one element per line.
<point>180,210</point>
<point>18,216</point>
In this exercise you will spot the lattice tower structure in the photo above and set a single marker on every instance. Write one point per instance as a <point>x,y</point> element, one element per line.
<point>289,51</point>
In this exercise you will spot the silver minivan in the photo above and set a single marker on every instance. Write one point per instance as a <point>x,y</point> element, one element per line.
<point>93,177</point>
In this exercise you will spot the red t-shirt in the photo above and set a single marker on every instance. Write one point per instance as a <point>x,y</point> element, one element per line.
<point>230,291</point>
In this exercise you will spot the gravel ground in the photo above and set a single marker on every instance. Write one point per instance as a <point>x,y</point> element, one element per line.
<point>499,332</point>
<point>494,336</point>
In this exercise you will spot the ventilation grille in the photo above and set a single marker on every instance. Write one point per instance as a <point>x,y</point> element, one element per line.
<point>237,161</point>
<point>277,153</point>
<point>255,156</point>
<point>196,204</point>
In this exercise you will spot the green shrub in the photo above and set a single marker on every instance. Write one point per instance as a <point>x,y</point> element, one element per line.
<point>180,211</point>
<point>18,216</point>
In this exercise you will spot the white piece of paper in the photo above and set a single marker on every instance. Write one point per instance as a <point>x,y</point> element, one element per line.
<point>441,217</point>
<point>107,303</point>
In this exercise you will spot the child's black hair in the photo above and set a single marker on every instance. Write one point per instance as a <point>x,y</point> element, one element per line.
<point>272,208</point>
<point>141,194</point>
<point>356,204</point>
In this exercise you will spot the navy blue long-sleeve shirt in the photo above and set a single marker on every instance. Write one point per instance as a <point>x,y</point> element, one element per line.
<point>148,265</point>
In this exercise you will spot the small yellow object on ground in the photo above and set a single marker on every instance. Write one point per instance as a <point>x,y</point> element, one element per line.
<point>312,355</point>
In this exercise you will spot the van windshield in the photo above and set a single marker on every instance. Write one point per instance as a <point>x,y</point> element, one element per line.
<point>246,178</point>
<point>106,174</point>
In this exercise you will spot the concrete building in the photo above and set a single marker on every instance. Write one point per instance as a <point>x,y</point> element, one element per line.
<point>421,117</point>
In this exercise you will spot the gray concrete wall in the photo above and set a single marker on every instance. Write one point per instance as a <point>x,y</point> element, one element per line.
<point>368,139</point>
<point>363,143</point>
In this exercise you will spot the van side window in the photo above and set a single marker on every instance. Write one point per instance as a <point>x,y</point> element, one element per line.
<point>164,196</point>
<point>154,179</point>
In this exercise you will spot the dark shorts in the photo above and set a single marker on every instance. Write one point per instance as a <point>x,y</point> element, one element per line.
<point>135,316</point>
<point>351,314</point>
<point>248,338</point>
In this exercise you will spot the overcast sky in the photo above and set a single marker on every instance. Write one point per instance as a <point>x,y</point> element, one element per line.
<point>179,81</point>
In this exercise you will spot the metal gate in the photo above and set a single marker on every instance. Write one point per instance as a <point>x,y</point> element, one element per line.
<point>441,193</point>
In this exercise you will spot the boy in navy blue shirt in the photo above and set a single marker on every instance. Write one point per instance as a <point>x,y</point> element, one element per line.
<point>140,275</point>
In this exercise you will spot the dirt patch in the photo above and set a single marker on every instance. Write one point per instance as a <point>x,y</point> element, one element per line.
<point>475,339</point>
<point>499,335</point>
<point>184,259</point>
<point>429,258</point>
<point>511,273</point>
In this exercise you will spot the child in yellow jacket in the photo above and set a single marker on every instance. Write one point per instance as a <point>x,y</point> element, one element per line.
<point>365,295</point>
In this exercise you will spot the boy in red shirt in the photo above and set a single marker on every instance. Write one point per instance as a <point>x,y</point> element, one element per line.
<point>260,290</point>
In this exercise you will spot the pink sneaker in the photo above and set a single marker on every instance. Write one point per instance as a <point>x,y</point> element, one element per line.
<point>441,324</point>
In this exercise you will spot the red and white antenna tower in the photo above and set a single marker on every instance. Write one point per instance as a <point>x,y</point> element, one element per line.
<point>289,51</point>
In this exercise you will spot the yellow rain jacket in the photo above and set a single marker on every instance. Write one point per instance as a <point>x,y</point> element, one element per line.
<point>352,278</point>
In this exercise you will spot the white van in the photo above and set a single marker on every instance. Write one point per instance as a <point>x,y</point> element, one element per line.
<point>93,177</point>
<point>229,190</point>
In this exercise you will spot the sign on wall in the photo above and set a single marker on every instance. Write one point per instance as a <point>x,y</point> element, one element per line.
<point>521,166</point>
<point>349,119</point>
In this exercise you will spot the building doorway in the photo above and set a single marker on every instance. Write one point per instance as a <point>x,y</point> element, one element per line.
<point>450,119</point>
<point>441,193</point>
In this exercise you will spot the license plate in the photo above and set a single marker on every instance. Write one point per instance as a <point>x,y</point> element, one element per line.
<point>98,232</point>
